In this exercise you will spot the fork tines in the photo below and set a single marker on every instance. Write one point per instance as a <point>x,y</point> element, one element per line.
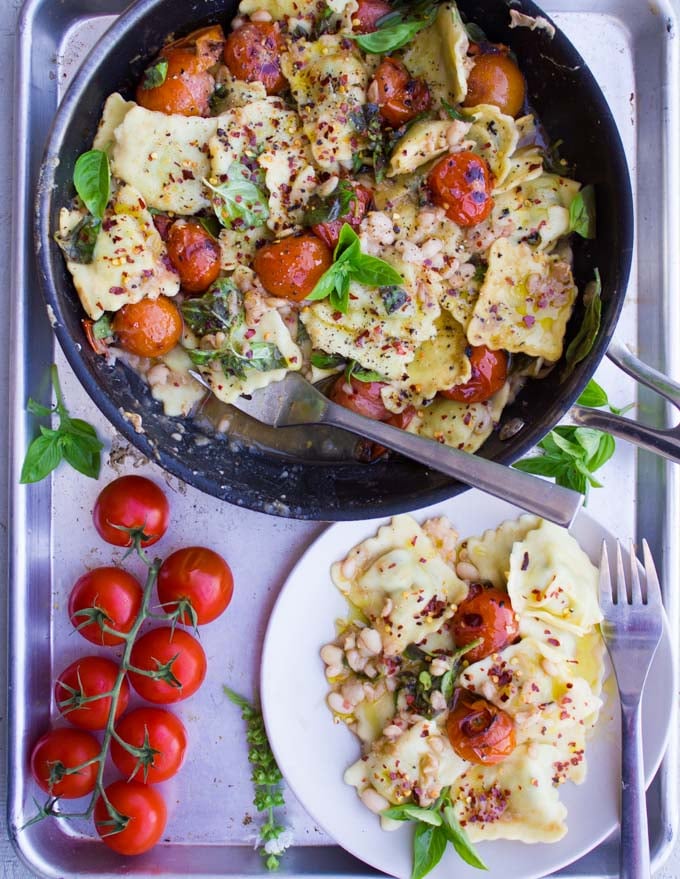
<point>629,590</point>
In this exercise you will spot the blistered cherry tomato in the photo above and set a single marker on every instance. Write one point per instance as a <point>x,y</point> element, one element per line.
<point>253,52</point>
<point>329,232</point>
<point>361,397</point>
<point>399,96</point>
<point>152,730</point>
<point>177,650</point>
<point>79,691</point>
<point>365,19</point>
<point>496,79</point>
<point>478,730</point>
<point>186,89</point>
<point>489,372</point>
<point>148,328</point>
<point>291,268</point>
<point>62,749</point>
<point>462,183</point>
<point>199,576</point>
<point>485,613</point>
<point>107,596</point>
<point>146,816</point>
<point>195,254</point>
<point>134,503</point>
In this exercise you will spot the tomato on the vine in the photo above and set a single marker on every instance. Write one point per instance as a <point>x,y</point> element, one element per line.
<point>131,504</point>
<point>81,692</point>
<point>143,814</point>
<point>176,656</point>
<point>161,738</point>
<point>198,577</point>
<point>104,596</point>
<point>62,749</point>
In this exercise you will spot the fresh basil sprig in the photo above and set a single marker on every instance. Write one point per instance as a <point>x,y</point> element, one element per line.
<point>155,75</point>
<point>394,32</point>
<point>238,202</point>
<point>92,180</point>
<point>435,827</point>
<point>74,441</point>
<point>582,213</point>
<point>352,265</point>
<point>582,343</point>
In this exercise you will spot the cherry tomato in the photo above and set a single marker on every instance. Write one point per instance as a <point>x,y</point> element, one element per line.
<point>186,89</point>
<point>195,254</point>
<point>291,268</point>
<point>400,97</point>
<point>485,613</point>
<point>253,52</point>
<point>207,42</point>
<point>145,814</point>
<point>478,731</point>
<point>180,653</point>
<point>131,502</point>
<point>108,596</point>
<point>489,372</point>
<point>88,679</point>
<point>329,232</point>
<point>157,732</point>
<point>200,577</point>
<point>62,749</point>
<point>462,183</point>
<point>361,397</point>
<point>365,19</point>
<point>148,328</point>
<point>496,79</point>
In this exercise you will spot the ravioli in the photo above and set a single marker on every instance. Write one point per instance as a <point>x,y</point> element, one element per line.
<point>495,137</point>
<point>115,110</point>
<point>490,553</point>
<point>438,54</point>
<point>539,209</point>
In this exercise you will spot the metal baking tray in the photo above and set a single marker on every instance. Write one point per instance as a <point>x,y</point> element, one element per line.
<point>632,48</point>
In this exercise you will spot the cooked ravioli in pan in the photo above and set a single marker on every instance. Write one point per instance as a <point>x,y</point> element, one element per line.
<point>330,188</point>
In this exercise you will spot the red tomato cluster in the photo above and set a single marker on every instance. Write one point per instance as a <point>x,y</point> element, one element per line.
<point>167,664</point>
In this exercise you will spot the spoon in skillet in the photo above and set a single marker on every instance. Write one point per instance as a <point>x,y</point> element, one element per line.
<point>295,401</point>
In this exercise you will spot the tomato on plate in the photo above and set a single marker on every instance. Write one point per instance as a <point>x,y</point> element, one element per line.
<point>253,53</point>
<point>484,613</point>
<point>148,328</point>
<point>62,749</point>
<point>496,79</point>
<point>489,373</point>
<point>104,596</point>
<point>365,19</point>
<point>462,184</point>
<point>329,232</point>
<point>80,688</point>
<point>179,657</point>
<point>195,254</point>
<point>198,577</point>
<point>162,738</point>
<point>400,97</point>
<point>134,503</point>
<point>142,812</point>
<point>478,730</point>
<point>291,267</point>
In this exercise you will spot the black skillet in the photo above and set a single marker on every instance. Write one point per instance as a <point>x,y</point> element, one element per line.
<point>252,470</point>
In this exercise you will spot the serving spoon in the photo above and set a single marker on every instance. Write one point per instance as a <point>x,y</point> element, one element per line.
<point>295,401</point>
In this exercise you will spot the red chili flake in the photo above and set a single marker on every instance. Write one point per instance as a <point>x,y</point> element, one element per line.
<point>528,320</point>
<point>525,563</point>
<point>188,175</point>
<point>249,334</point>
<point>554,642</point>
<point>116,291</point>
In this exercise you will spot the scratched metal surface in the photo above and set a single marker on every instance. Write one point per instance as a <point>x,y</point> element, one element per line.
<point>631,47</point>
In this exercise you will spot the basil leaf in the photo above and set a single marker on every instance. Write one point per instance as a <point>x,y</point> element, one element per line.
<point>446,684</point>
<point>582,343</point>
<point>454,113</point>
<point>339,298</point>
<point>393,298</point>
<point>220,309</point>
<point>582,213</point>
<point>374,272</point>
<point>85,461</point>
<point>102,328</point>
<point>238,202</point>
<point>346,239</point>
<point>43,456</point>
<point>392,37</point>
<point>593,395</point>
<point>564,442</point>
<point>541,465</point>
<point>429,844</point>
<point>367,122</point>
<point>38,409</point>
<point>79,246</point>
<point>264,356</point>
<point>588,439</point>
<point>155,75</point>
<point>211,225</point>
<point>321,360</point>
<point>360,374</point>
<point>605,450</point>
<point>425,816</point>
<point>331,207</point>
<point>459,840</point>
<point>324,286</point>
<point>92,180</point>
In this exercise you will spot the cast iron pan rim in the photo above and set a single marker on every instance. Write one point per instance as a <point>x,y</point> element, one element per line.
<point>71,348</point>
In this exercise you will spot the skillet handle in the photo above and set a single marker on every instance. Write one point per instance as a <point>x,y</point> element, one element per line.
<point>641,372</point>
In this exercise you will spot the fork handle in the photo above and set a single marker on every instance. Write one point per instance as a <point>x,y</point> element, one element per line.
<point>634,852</point>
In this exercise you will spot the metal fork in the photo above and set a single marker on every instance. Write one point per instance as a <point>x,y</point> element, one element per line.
<point>631,629</point>
<point>295,401</point>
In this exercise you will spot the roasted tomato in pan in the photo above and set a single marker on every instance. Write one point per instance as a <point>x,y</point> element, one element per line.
<point>365,19</point>
<point>496,79</point>
<point>462,184</point>
<point>253,52</point>
<point>399,96</point>
<point>359,200</point>
<point>148,328</point>
<point>131,503</point>
<point>291,268</point>
<point>478,731</point>
<point>361,397</point>
<point>80,692</point>
<point>60,750</point>
<point>486,613</point>
<point>489,373</point>
<point>145,813</point>
<point>108,597</point>
<point>195,254</point>
<point>161,737</point>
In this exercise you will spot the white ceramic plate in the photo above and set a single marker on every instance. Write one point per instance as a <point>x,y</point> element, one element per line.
<point>313,752</point>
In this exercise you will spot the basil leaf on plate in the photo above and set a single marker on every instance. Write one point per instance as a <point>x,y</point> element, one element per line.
<point>429,844</point>
<point>459,840</point>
